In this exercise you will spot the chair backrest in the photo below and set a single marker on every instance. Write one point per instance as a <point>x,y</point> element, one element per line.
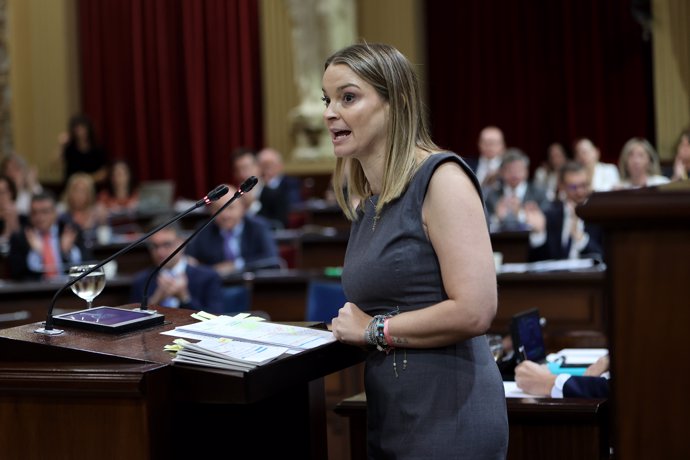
<point>324,299</point>
<point>236,299</point>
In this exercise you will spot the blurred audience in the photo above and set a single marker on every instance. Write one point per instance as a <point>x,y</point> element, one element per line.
<point>602,176</point>
<point>79,207</point>
<point>44,248</point>
<point>681,160</point>
<point>491,148</point>
<point>10,219</point>
<point>235,241</point>
<point>638,165</point>
<point>179,284</point>
<point>25,180</point>
<point>559,233</point>
<point>280,192</point>
<point>80,150</point>
<point>120,194</point>
<point>546,175</point>
<point>506,199</point>
<point>245,165</point>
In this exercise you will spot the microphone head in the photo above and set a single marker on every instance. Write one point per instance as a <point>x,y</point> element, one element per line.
<point>217,192</point>
<point>248,184</point>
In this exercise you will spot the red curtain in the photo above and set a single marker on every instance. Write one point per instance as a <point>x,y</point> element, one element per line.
<point>173,86</point>
<point>543,71</point>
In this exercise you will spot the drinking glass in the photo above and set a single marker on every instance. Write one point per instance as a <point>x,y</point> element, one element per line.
<point>495,345</point>
<point>91,285</point>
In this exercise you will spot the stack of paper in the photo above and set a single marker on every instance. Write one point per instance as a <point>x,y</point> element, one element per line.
<point>551,266</point>
<point>300,338</point>
<point>239,343</point>
<point>227,354</point>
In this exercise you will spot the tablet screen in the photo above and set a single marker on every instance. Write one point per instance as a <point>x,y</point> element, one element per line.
<point>527,333</point>
<point>109,319</point>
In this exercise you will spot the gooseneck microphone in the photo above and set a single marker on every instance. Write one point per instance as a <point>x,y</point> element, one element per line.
<point>213,195</point>
<point>244,188</point>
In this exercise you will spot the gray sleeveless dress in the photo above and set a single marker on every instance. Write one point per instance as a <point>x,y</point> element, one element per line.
<point>445,403</point>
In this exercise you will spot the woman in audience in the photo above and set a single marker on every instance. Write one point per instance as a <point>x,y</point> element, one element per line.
<point>639,165</point>
<point>681,161</point>
<point>602,176</point>
<point>25,180</point>
<point>120,194</point>
<point>546,175</point>
<point>80,150</point>
<point>79,207</point>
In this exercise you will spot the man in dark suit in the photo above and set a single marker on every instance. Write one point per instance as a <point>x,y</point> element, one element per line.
<point>280,192</point>
<point>491,146</point>
<point>45,248</point>
<point>505,201</point>
<point>235,241</point>
<point>179,284</point>
<point>536,379</point>
<point>558,233</point>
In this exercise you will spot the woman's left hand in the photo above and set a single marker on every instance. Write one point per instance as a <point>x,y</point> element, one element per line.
<point>350,324</point>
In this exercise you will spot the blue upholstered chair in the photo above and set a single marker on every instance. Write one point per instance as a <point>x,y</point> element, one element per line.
<point>236,299</point>
<point>324,299</point>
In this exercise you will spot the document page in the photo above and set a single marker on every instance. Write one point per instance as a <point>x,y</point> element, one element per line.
<point>268,333</point>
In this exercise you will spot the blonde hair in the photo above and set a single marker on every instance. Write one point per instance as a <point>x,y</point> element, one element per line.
<point>394,79</point>
<point>654,167</point>
<point>72,181</point>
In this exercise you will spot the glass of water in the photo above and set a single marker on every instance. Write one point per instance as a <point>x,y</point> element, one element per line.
<point>495,345</point>
<point>91,285</point>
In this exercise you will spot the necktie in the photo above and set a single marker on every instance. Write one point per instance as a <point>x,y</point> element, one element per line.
<point>49,261</point>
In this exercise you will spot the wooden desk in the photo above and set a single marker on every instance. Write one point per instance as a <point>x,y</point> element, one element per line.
<point>513,245</point>
<point>88,395</point>
<point>647,246</point>
<point>568,429</point>
<point>280,293</point>
<point>312,247</point>
<point>28,302</point>
<point>569,300</point>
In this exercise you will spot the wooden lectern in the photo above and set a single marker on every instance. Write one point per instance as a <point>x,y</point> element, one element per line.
<point>86,395</point>
<point>647,252</point>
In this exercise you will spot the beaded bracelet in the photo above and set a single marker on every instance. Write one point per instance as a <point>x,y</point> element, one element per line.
<point>375,333</point>
<point>386,335</point>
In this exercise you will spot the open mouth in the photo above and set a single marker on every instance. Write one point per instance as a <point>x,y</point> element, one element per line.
<point>340,134</point>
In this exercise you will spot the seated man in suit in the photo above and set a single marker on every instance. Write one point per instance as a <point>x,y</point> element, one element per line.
<point>279,191</point>
<point>491,148</point>
<point>235,241</point>
<point>245,165</point>
<point>559,233</point>
<point>45,248</point>
<point>536,379</point>
<point>505,201</point>
<point>179,284</point>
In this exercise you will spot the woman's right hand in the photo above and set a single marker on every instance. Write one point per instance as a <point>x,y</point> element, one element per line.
<point>350,324</point>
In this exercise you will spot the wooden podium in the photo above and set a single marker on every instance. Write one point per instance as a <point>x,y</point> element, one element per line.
<point>86,395</point>
<point>647,252</point>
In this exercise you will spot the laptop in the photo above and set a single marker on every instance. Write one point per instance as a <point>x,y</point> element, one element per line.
<point>156,196</point>
<point>528,338</point>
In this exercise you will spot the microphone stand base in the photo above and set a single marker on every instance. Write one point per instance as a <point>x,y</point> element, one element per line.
<point>43,330</point>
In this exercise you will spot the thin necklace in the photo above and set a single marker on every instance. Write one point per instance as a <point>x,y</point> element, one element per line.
<point>376,216</point>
